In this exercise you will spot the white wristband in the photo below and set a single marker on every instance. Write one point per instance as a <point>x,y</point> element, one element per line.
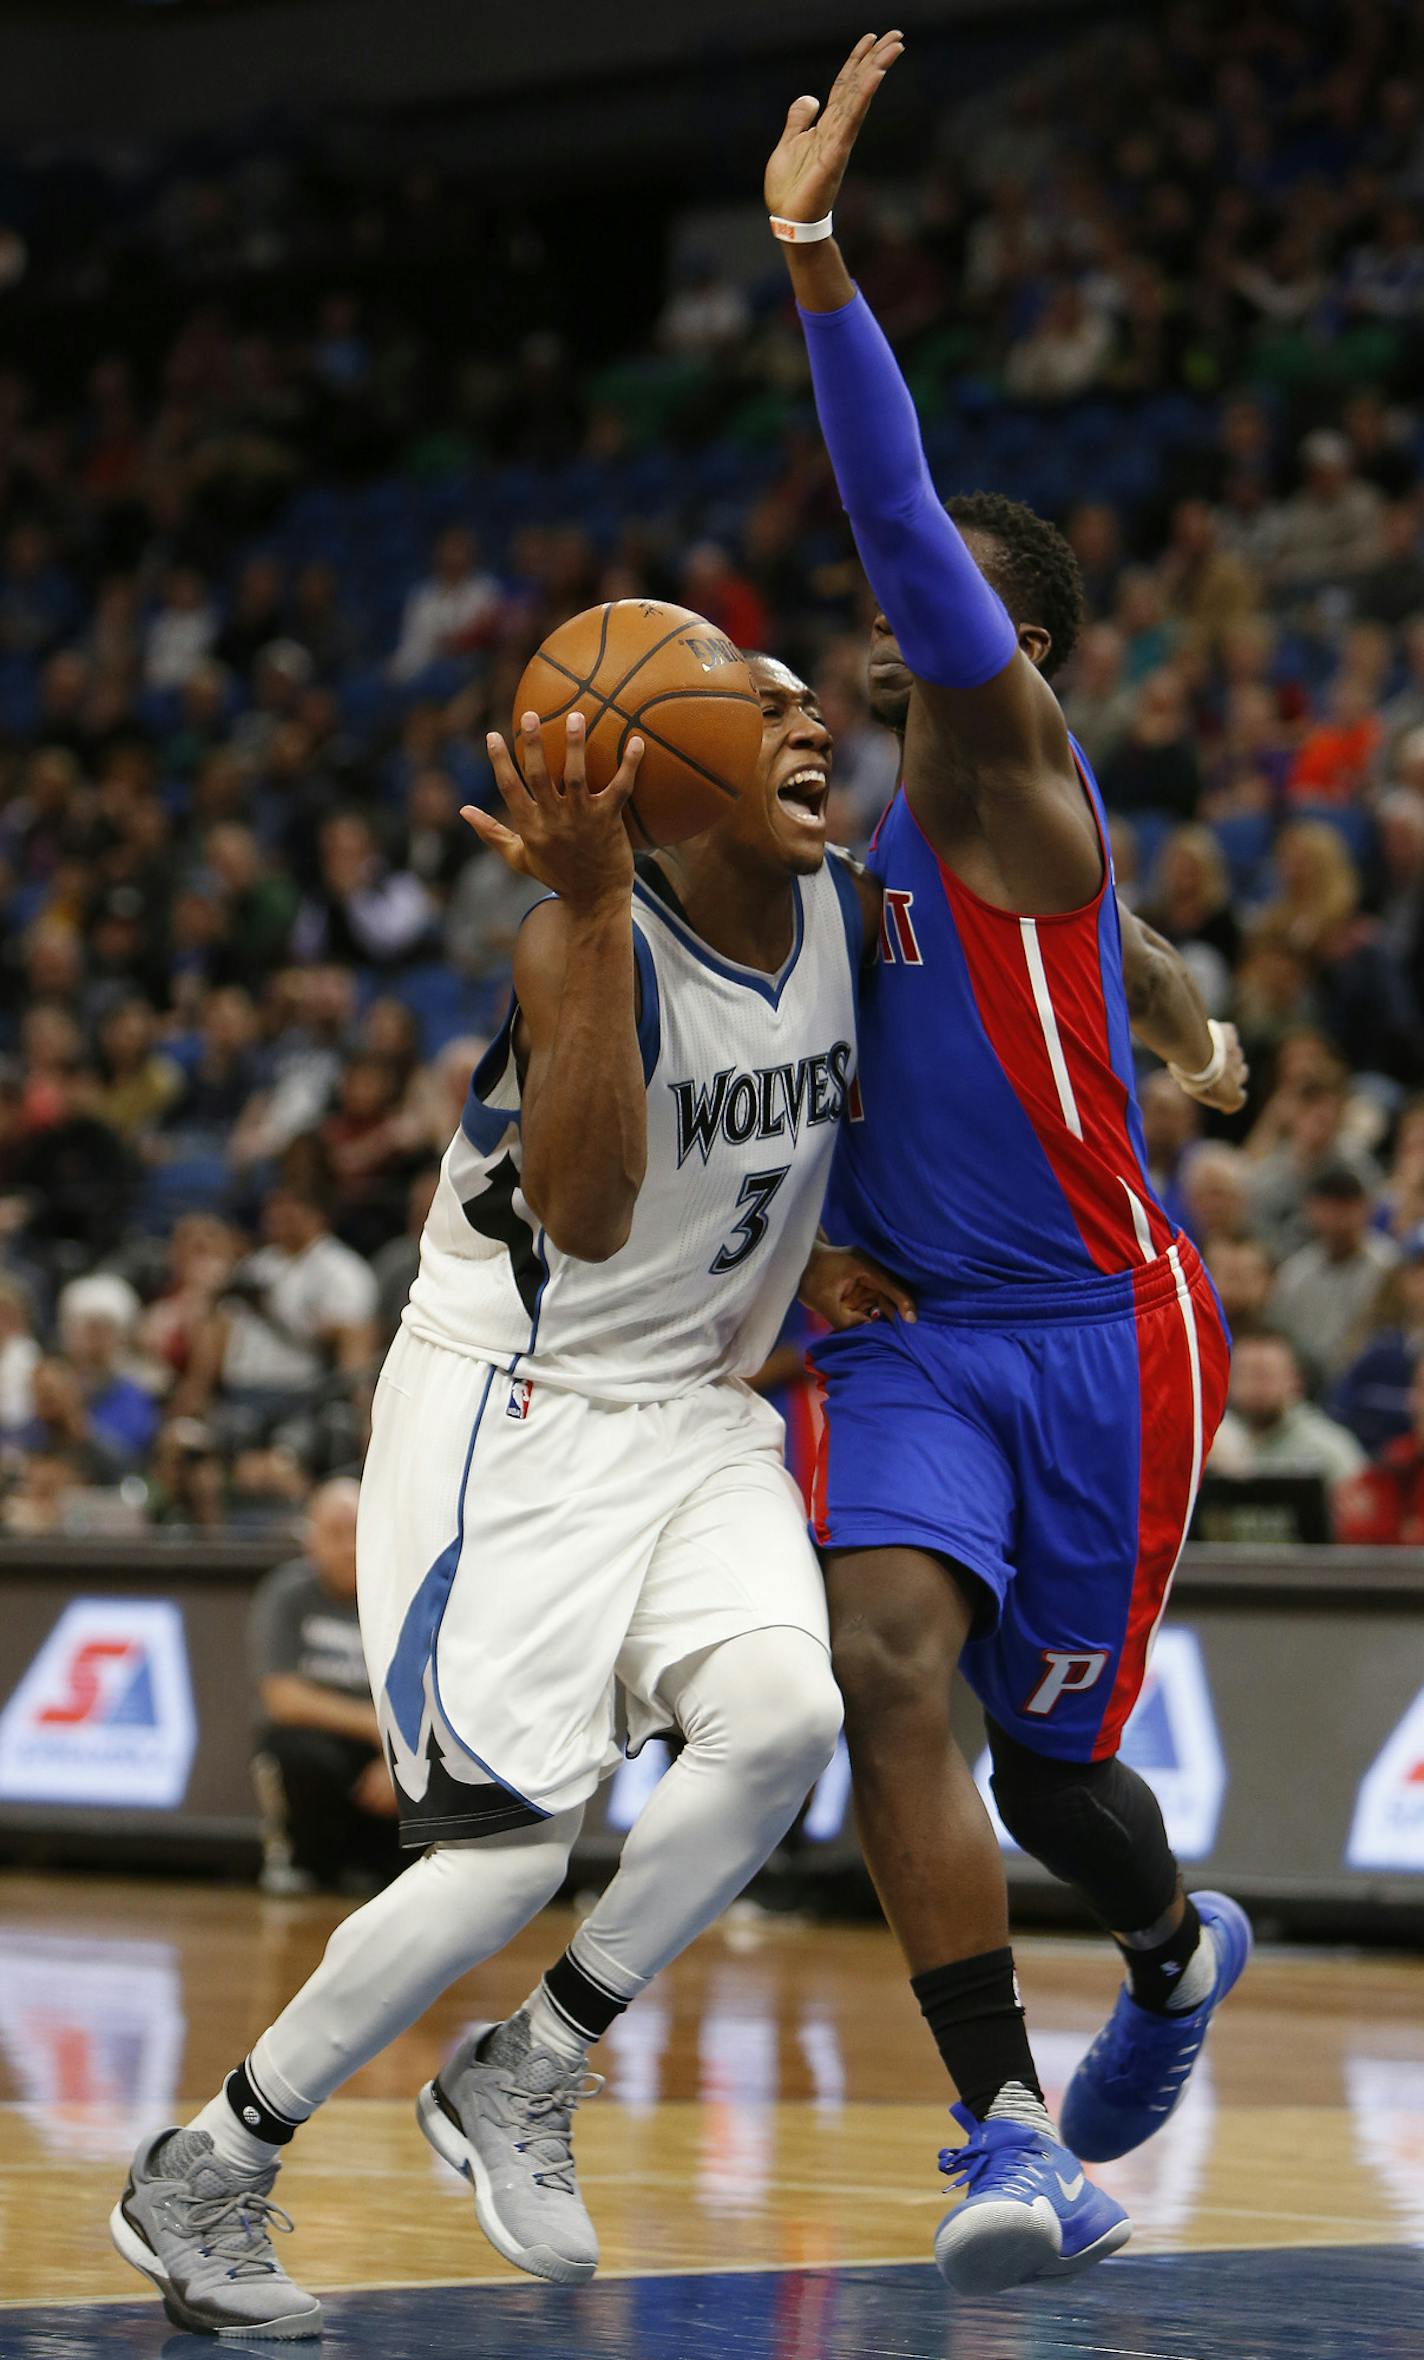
<point>801,233</point>
<point>1214,1067</point>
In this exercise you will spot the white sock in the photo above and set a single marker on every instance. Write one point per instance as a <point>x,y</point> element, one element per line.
<point>548,2028</point>
<point>1015,2103</point>
<point>1198,1978</point>
<point>233,2143</point>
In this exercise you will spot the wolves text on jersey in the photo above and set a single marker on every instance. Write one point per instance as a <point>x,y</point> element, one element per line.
<point>770,1103</point>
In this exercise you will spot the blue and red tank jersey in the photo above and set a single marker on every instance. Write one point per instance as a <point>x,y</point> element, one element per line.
<point>995,1141</point>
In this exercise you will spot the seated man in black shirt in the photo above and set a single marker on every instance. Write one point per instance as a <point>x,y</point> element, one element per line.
<point>324,1785</point>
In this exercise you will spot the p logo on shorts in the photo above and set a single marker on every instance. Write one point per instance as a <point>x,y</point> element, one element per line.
<point>1065,1674</point>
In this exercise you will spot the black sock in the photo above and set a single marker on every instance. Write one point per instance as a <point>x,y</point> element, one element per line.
<point>974,2011</point>
<point>1153,1975</point>
<point>255,2112</point>
<point>583,2002</point>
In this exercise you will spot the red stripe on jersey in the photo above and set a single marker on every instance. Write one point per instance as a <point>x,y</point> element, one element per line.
<point>1072,963</point>
<point>1181,1410</point>
<point>1091,1170</point>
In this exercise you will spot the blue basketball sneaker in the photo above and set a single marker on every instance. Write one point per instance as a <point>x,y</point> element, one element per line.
<point>1029,2210</point>
<point>1137,2068</point>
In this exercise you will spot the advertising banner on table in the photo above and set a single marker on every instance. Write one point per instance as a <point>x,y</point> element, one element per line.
<point>1388,1827</point>
<point>104,1714</point>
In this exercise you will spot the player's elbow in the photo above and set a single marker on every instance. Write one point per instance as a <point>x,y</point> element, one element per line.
<point>589,1241</point>
<point>590,1230</point>
<point>585,1209</point>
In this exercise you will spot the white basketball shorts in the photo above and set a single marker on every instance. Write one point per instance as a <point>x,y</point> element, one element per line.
<point>523,1553</point>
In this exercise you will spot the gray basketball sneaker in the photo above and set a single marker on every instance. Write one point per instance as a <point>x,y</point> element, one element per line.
<point>203,2233</point>
<point>507,2125</point>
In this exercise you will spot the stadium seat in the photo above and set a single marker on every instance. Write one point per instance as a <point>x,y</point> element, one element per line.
<point>1354,826</point>
<point>443,1002</point>
<point>1245,840</point>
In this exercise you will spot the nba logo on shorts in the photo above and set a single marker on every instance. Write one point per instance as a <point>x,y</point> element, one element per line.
<point>521,1393</point>
<point>105,1712</point>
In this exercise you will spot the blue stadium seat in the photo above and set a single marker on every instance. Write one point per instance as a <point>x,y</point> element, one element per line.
<point>1245,840</point>
<point>367,698</point>
<point>19,696</point>
<point>1151,829</point>
<point>1174,418</point>
<point>1354,826</point>
<point>443,1002</point>
<point>197,1182</point>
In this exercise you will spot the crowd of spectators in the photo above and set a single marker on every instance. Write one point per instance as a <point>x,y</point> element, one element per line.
<point>260,600</point>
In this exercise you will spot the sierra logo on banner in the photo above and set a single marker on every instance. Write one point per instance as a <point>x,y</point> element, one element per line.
<point>105,1712</point>
<point>1388,1829</point>
<point>1171,1739</point>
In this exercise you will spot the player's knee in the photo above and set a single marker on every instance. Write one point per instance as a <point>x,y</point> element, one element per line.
<point>778,1713</point>
<point>886,1665</point>
<point>1047,1805</point>
<point>812,1714</point>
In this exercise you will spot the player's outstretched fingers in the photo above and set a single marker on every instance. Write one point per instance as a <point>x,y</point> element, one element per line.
<point>575,778</point>
<point>861,76</point>
<point>625,777</point>
<point>506,775</point>
<point>536,769</point>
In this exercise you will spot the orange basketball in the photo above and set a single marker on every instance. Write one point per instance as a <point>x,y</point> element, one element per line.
<point>677,680</point>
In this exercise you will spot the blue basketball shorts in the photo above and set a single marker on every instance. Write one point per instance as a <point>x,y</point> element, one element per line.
<point>1057,1460</point>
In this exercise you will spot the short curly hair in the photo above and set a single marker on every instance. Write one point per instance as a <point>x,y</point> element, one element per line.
<point>1031,566</point>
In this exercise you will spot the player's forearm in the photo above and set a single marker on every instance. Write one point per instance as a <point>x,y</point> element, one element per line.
<point>952,628</point>
<point>1166,1010</point>
<point>585,1119</point>
<point>819,278</point>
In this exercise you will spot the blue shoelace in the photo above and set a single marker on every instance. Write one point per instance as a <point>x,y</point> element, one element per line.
<point>969,2163</point>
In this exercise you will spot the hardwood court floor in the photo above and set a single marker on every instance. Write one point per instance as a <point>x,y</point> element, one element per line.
<point>772,2107</point>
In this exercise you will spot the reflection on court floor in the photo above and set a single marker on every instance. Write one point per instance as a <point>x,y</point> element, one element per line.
<point>761,2167</point>
<point>1233,2306</point>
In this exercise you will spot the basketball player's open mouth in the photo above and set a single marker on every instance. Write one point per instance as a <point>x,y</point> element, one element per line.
<point>808,790</point>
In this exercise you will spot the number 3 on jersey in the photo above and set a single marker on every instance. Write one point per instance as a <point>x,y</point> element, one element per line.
<point>756,1193</point>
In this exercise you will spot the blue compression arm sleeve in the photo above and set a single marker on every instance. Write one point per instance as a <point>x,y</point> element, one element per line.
<point>952,628</point>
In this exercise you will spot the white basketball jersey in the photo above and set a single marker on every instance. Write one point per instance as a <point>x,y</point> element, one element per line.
<point>747,1079</point>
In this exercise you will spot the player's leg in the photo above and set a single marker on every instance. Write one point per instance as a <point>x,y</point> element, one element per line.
<point>899,1620</point>
<point>913,1448</point>
<point>1126,1412</point>
<point>1098,1827</point>
<point>491,1668</point>
<point>759,1717</point>
<point>196,2215</point>
<point>758,1713</point>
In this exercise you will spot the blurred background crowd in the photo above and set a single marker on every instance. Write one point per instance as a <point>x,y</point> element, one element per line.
<point>301,453</point>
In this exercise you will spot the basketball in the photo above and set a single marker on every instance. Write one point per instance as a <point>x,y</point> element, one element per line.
<point>637,664</point>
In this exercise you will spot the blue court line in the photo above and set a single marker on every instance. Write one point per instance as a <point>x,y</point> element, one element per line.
<point>1289,2303</point>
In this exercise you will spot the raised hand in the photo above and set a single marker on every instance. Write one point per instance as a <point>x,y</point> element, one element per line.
<point>570,838</point>
<point>809,160</point>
